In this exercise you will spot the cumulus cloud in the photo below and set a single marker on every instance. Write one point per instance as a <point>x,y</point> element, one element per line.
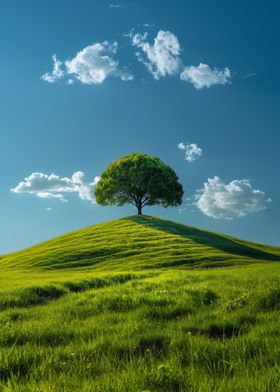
<point>192,151</point>
<point>57,71</point>
<point>162,57</point>
<point>91,65</point>
<point>54,187</point>
<point>228,201</point>
<point>203,76</point>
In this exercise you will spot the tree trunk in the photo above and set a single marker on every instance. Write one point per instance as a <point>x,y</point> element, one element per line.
<point>139,209</point>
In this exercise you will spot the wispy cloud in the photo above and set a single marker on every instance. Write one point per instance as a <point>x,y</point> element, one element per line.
<point>148,25</point>
<point>192,151</point>
<point>55,187</point>
<point>116,6</point>
<point>203,76</point>
<point>249,75</point>
<point>56,73</point>
<point>92,65</point>
<point>236,199</point>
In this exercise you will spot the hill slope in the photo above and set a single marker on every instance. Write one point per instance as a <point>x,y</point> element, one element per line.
<point>94,310</point>
<point>138,242</point>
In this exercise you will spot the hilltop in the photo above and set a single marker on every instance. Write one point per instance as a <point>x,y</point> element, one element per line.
<point>136,243</point>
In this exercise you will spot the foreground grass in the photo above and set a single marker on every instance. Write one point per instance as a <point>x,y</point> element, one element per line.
<point>140,304</point>
<point>161,330</point>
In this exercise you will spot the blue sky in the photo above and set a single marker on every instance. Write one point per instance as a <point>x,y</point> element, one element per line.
<point>139,76</point>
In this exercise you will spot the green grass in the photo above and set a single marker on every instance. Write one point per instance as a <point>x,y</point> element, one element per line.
<point>137,243</point>
<point>140,304</point>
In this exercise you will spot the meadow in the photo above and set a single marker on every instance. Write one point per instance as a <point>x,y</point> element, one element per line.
<point>140,304</point>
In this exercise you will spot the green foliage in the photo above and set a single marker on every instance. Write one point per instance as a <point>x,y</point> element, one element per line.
<point>141,180</point>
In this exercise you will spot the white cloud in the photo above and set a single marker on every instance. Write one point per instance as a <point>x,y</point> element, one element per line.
<point>91,65</point>
<point>57,71</point>
<point>249,75</point>
<point>181,210</point>
<point>47,195</point>
<point>192,151</point>
<point>227,201</point>
<point>95,63</point>
<point>203,76</point>
<point>54,187</point>
<point>115,6</point>
<point>162,57</point>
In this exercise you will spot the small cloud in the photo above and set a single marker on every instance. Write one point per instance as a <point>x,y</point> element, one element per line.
<point>192,151</point>
<point>249,75</point>
<point>203,76</point>
<point>181,210</point>
<point>129,34</point>
<point>56,73</point>
<point>48,195</point>
<point>228,201</point>
<point>187,205</point>
<point>147,25</point>
<point>116,6</point>
<point>92,65</point>
<point>54,187</point>
<point>162,57</point>
<point>49,209</point>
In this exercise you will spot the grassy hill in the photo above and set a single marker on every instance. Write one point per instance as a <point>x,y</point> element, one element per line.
<point>138,242</point>
<point>140,304</point>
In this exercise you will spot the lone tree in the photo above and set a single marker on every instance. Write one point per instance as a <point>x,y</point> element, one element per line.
<point>141,180</point>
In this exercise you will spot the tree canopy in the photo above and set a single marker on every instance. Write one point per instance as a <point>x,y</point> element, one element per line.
<point>141,180</point>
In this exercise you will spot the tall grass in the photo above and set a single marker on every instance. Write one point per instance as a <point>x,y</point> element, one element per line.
<point>214,330</point>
